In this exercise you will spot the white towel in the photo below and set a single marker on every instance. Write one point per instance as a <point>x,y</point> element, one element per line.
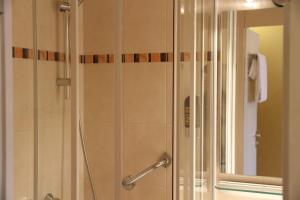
<point>262,78</point>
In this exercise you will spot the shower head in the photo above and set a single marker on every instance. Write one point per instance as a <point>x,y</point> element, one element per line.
<point>280,3</point>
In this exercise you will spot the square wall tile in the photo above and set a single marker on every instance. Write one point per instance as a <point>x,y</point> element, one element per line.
<point>50,26</point>
<point>144,25</point>
<point>23,165</point>
<point>143,144</point>
<point>100,146</point>
<point>145,192</point>
<point>99,24</point>
<point>144,93</point>
<point>50,96</point>
<point>99,93</point>
<point>23,94</point>
<point>51,160</point>
<point>169,25</point>
<point>22,27</point>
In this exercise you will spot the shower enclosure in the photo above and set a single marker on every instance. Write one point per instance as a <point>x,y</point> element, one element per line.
<point>113,99</point>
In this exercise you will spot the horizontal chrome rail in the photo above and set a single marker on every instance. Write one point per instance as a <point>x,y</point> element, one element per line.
<point>130,181</point>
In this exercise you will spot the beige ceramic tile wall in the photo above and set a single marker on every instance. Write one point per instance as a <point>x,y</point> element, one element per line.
<point>50,102</point>
<point>23,129</point>
<point>99,26</point>
<point>81,100</point>
<point>99,127</point>
<point>99,97</point>
<point>147,89</point>
<point>147,95</point>
<point>49,26</point>
<point>53,138</point>
<point>23,102</point>
<point>51,127</point>
<point>22,23</point>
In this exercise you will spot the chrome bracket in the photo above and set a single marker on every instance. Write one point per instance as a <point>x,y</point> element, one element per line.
<point>64,6</point>
<point>50,196</point>
<point>128,186</point>
<point>63,81</point>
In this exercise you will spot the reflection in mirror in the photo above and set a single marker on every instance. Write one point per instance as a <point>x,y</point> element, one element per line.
<point>251,91</point>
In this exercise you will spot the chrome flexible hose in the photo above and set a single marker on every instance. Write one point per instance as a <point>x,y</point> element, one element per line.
<point>86,161</point>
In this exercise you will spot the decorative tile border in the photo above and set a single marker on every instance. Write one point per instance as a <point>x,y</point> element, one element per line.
<point>96,59</point>
<point>127,58</point>
<point>147,57</point>
<point>51,56</point>
<point>26,53</point>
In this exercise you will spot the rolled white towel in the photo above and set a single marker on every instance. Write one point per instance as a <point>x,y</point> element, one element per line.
<point>262,78</point>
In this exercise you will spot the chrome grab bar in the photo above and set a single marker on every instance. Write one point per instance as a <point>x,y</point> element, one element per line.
<point>130,181</point>
<point>50,196</point>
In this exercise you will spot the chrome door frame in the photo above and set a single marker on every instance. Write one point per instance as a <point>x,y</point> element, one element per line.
<point>6,191</point>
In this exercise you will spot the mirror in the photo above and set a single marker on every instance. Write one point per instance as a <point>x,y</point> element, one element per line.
<point>250,94</point>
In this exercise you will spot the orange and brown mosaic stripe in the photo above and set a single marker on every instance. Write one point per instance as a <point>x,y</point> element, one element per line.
<point>147,57</point>
<point>45,55</point>
<point>26,53</point>
<point>97,59</point>
<point>127,58</point>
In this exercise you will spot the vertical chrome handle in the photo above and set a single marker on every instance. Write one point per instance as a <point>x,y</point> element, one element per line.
<point>66,81</point>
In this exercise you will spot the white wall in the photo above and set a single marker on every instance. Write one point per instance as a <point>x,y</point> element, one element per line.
<point>250,110</point>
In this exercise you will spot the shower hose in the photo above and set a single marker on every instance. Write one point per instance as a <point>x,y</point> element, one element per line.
<point>86,161</point>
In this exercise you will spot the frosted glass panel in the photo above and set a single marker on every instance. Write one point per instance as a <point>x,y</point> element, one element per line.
<point>194,65</point>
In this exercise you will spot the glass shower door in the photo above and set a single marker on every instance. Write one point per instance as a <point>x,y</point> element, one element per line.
<point>52,100</point>
<point>194,75</point>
